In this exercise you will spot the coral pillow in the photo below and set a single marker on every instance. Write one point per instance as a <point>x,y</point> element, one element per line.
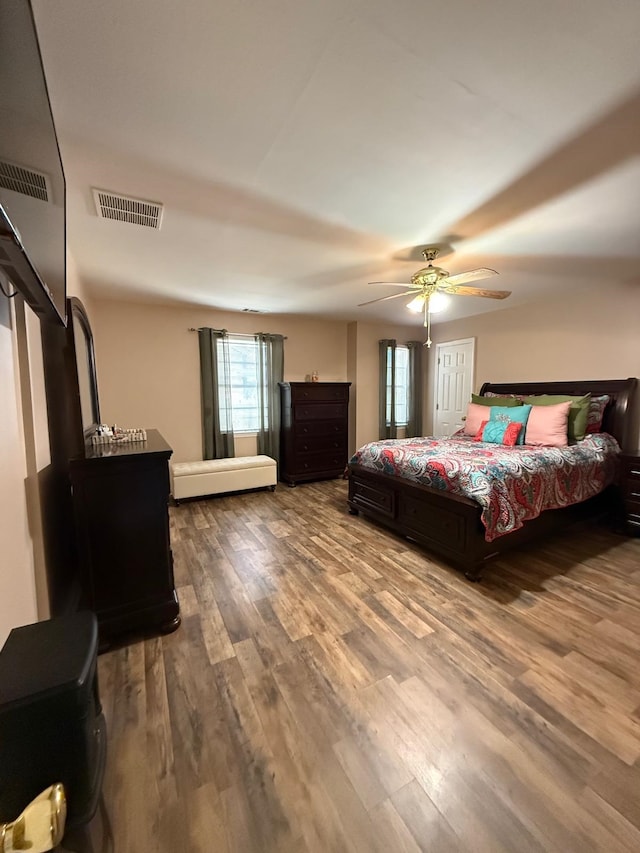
<point>548,425</point>
<point>475,415</point>
<point>499,432</point>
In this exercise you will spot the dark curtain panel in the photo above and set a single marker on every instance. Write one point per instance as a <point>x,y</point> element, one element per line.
<point>387,427</point>
<point>414,424</point>
<point>271,372</point>
<point>215,384</point>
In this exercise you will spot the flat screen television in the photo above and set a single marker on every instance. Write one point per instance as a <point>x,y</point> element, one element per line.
<point>32,182</point>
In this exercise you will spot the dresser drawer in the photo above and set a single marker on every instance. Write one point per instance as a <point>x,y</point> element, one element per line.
<point>632,509</point>
<point>320,411</point>
<point>632,489</point>
<point>630,492</point>
<point>319,393</point>
<point>314,443</point>
<point>320,461</point>
<point>311,428</point>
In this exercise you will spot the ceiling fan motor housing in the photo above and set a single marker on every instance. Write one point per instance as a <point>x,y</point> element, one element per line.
<point>430,254</point>
<point>428,276</point>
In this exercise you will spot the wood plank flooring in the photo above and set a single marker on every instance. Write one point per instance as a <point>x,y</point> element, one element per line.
<point>334,688</point>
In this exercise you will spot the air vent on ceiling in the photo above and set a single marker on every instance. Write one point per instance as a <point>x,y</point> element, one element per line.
<point>25,181</point>
<point>123,208</point>
<point>252,311</point>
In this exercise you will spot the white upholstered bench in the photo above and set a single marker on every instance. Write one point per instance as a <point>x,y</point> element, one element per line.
<point>214,476</point>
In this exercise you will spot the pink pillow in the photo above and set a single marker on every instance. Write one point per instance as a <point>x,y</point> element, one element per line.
<point>475,415</point>
<point>548,425</point>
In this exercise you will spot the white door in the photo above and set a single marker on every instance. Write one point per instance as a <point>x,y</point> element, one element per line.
<point>454,381</point>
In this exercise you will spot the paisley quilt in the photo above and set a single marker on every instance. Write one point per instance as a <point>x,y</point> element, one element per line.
<point>511,484</point>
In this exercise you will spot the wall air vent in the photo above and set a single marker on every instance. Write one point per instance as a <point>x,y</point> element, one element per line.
<point>123,208</point>
<point>25,181</point>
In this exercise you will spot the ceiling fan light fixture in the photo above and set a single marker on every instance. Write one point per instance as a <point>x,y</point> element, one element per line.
<point>416,304</point>
<point>438,302</point>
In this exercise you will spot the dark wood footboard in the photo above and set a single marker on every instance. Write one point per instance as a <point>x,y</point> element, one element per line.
<point>449,525</point>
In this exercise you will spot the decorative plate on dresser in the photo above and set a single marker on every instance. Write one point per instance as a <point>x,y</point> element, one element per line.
<point>314,430</point>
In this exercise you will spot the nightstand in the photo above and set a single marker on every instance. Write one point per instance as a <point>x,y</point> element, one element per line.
<point>630,490</point>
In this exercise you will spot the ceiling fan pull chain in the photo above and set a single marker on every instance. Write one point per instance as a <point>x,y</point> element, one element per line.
<point>427,321</point>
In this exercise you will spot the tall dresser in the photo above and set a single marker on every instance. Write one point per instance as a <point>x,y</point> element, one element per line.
<point>314,431</point>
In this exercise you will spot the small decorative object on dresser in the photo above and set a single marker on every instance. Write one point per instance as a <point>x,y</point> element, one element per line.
<point>630,488</point>
<point>314,430</point>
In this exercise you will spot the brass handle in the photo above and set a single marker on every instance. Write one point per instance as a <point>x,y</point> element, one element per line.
<point>40,827</point>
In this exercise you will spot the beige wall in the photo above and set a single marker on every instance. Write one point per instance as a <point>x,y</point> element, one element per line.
<point>364,368</point>
<point>148,364</point>
<point>593,337</point>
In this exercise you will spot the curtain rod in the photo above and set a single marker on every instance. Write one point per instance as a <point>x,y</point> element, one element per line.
<point>235,334</point>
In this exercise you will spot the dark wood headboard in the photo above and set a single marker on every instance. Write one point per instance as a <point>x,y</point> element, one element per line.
<point>617,416</point>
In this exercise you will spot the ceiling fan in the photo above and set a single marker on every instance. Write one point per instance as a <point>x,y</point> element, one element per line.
<point>431,281</point>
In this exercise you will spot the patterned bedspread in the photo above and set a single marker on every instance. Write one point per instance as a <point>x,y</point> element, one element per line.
<point>511,484</point>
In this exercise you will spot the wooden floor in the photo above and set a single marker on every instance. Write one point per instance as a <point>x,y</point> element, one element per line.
<point>332,688</point>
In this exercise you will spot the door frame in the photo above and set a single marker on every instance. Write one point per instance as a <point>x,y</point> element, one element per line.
<point>436,383</point>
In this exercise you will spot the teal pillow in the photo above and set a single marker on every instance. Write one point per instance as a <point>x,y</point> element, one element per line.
<point>495,401</point>
<point>578,413</point>
<point>517,414</point>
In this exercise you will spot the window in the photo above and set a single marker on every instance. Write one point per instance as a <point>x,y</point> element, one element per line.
<point>398,386</point>
<point>247,387</point>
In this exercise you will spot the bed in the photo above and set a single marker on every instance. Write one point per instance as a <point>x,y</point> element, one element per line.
<point>450,525</point>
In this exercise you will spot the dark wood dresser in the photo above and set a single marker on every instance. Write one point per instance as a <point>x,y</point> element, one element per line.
<point>120,499</point>
<point>630,488</point>
<point>314,431</point>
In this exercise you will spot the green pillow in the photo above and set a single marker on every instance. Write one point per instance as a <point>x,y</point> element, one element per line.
<point>578,413</point>
<point>495,401</point>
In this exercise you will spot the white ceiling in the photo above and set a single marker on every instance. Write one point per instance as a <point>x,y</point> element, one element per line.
<point>301,146</point>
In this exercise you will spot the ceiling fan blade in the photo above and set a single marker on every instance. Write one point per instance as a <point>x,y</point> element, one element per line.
<point>471,275</point>
<point>461,290</point>
<point>383,298</point>
<point>392,283</point>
